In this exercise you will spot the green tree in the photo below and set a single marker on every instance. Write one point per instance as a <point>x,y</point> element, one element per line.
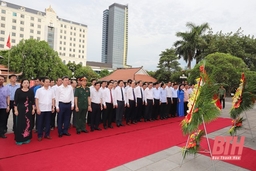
<point>222,68</point>
<point>87,72</point>
<point>168,64</point>
<point>104,73</point>
<point>191,42</point>
<point>35,59</point>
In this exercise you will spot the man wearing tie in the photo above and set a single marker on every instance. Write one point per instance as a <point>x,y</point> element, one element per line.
<point>140,101</point>
<point>149,101</point>
<point>131,104</point>
<point>96,103</point>
<point>120,101</point>
<point>108,102</point>
<point>64,105</point>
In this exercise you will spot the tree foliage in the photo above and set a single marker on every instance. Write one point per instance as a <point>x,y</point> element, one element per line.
<point>191,43</point>
<point>168,65</point>
<point>104,73</point>
<point>222,68</point>
<point>87,72</point>
<point>35,59</point>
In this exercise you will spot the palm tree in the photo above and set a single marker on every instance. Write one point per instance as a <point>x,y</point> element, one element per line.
<point>191,42</point>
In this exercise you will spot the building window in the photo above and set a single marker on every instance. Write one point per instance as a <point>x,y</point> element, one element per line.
<point>1,39</point>
<point>60,42</point>
<point>83,56</point>
<point>65,26</point>
<point>22,22</point>
<point>60,31</point>
<point>13,34</point>
<point>83,30</point>
<point>74,44</point>
<point>3,18</point>
<point>79,46</point>
<point>70,44</point>
<point>13,40</point>
<point>61,25</point>
<point>70,50</point>
<point>1,45</point>
<point>32,18</point>
<point>74,28</point>
<point>39,26</point>
<point>64,48</point>
<point>70,33</point>
<point>21,29</point>
<point>31,24</point>
<point>39,20</point>
<point>14,27</point>
<point>65,32</point>
<point>38,38</point>
<point>38,32</point>
<point>74,34</point>
<point>3,11</point>
<point>69,55</point>
<point>2,32</point>
<point>79,40</point>
<point>83,41</point>
<point>74,50</point>
<point>71,27</point>
<point>70,38</point>
<point>82,51</point>
<point>83,46</point>
<point>65,37</point>
<point>21,16</point>
<point>60,48</point>
<point>61,36</point>
<point>83,36</point>
<point>14,21</point>
<point>31,37</point>
<point>31,31</point>
<point>74,39</point>
<point>21,35</point>
<point>14,14</point>
<point>79,51</point>
<point>78,56</point>
<point>2,25</point>
<point>64,43</point>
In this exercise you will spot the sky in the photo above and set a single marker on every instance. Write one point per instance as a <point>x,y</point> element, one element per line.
<point>152,23</point>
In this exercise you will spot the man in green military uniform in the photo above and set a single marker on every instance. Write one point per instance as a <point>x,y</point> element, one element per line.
<point>82,105</point>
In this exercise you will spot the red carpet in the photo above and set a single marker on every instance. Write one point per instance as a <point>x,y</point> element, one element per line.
<point>99,150</point>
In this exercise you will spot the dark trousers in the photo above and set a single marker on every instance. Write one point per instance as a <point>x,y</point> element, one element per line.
<point>3,116</point>
<point>14,116</point>
<point>163,110</point>
<point>119,112</point>
<point>64,117</point>
<point>139,109</point>
<point>169,105</point>
<point>148,112</point>
<point>53,116</point>
<point>95,116</point>
<point>43,120</point>
<point>89,117</point>
<point>73,115</point>
<point>185,108</point>
<point>156,109</point>
<point>131,114</point>
<point>174,107</point>
<point>80,119</point>
<point>222,99</point>
<point>114,115</point>
<point>107,115</point>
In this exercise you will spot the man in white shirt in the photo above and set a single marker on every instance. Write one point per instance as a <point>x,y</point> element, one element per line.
<point>140,101</point>
<point>108,103</point>
<point>149,102</point>
<point>163,102</point>
<point>53,116</point>
<point>64,104</point>
<point>174,100</point>
<point>169,98</point>
<point>93,81</point>
<point>156,107</point>
<point>45,107</point>
<point>96,105</point>
<point>131,104</point>
<point>120,102</point>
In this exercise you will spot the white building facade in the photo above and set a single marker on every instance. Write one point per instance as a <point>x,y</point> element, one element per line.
<point>66,37</point>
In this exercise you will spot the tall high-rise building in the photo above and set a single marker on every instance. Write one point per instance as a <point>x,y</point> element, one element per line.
<point>115,36</point>
<point>66,37</point>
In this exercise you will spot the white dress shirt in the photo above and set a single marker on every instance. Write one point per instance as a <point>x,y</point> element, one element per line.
<point>45,97</point>
<point>174,93</point>
<point>96,96</point>
<point>156,93</point>
<point>65,95</point>
<point>149,94</point>
<point>138,92</point>
<point>169,92</point>
<point>130,95</point>
<point>118,94</point>
<point>106,98</point>
<point>163,95</point>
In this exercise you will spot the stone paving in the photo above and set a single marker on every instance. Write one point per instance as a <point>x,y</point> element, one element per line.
<point>170,159</point>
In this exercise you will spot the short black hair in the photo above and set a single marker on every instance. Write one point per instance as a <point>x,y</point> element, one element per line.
<point>65,77</point>
<point>12,75</point>
<point>45,78</point>
<point>129,81</point>
<point>98,82</point>
<point>93,80</point>
<point>119,81</point>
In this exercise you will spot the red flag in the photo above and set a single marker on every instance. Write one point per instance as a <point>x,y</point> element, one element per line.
<point>8,44</point>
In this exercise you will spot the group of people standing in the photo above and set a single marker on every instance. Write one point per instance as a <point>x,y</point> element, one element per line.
<point>105,102</point>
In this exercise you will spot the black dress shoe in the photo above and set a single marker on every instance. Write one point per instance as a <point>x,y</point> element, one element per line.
<point>85,131</point>
<point>121,124</point>
<point>98,129</point>
<point>3,136</point>
<point>67,134</point>
<point>48,137</point>
<point>39,139</point>
<point>110,126</point>
<point>117,125</point>
<point>105,127</point>
<point>60,135</point>
<point>78,132</point>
